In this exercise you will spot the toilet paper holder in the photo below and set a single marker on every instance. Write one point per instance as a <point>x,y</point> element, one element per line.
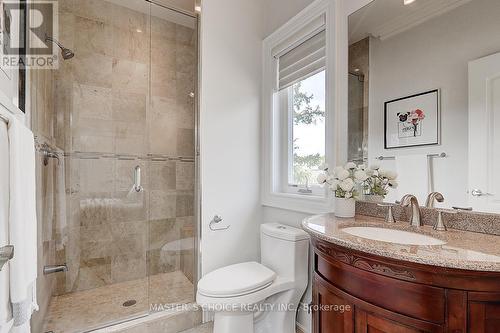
<point>216,220</point>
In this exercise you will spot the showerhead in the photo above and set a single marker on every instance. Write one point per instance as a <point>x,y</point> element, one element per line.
<point>65,52</point>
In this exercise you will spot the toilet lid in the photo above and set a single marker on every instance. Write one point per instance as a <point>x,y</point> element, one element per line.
<point>236,280</point>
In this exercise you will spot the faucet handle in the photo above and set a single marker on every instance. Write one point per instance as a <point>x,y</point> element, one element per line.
<point>440,225</point>
<point>389,218</point>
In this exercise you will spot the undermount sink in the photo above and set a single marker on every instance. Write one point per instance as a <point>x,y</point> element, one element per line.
<point>393,236</point>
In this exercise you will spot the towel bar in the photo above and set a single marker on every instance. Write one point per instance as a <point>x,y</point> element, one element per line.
<point>384,158</point>
<point>6,254</point>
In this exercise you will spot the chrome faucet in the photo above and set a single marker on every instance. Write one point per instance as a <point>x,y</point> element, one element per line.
<point>411,200</point>
<point>432,198</point>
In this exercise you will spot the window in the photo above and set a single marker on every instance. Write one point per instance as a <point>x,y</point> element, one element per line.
<point>296,121</point>
<point>304,104</point>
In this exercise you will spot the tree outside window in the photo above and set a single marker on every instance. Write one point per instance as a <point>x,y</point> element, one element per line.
<point>308,129</point>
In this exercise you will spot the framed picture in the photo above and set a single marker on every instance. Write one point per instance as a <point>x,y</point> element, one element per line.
<point>413,120</point>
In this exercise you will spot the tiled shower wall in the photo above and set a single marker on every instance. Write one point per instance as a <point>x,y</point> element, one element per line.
<point>125,95</point>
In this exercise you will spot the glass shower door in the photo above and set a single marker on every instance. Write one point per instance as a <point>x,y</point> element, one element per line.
<point>171,133</point>
<point>102,104</point>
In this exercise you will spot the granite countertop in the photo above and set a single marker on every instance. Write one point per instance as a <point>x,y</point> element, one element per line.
<point>463,249</point>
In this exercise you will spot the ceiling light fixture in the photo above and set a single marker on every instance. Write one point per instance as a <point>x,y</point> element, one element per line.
<point>407,2</point>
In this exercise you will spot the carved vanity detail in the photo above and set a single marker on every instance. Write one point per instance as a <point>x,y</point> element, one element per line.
<point>387,294</point>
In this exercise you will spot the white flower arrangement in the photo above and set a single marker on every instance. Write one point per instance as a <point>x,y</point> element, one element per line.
<point>342,181</point>
<point>379,181</point>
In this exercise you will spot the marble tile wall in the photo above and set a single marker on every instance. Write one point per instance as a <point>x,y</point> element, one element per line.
<point>126,92</point>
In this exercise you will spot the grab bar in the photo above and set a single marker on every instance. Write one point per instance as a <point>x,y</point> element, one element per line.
<point>6,254</point>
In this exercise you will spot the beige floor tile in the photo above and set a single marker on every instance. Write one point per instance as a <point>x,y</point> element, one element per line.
<point>92,308</point>
<point>205,328</point>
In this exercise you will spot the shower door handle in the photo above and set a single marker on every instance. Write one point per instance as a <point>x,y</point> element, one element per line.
<point>137,179</point>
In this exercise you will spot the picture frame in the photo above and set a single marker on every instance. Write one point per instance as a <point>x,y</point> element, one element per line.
<point>413,121</point>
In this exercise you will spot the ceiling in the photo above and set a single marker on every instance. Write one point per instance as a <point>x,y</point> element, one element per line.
<point>386,18</point>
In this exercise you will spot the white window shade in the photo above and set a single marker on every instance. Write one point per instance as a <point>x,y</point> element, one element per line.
<point>302,61</point>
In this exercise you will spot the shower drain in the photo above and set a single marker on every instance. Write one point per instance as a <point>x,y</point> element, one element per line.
<point>130,302</point>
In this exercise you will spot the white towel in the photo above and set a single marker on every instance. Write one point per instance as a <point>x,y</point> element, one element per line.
<point>6,320</point>
<point>413,176</point>
<point>22,224</point>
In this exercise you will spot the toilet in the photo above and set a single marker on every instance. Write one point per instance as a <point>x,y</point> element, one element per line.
<point>263,297</point>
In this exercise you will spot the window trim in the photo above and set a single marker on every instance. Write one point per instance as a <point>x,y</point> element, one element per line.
<point>272,160</point>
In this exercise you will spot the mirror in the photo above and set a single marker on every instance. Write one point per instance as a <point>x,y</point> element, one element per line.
<point>424,98</point>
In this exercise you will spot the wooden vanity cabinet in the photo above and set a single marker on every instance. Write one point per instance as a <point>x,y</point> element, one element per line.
<point>484,312</point>
<point>363,293</point>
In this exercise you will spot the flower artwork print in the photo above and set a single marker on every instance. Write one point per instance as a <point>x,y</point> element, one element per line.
<point>412,121</point>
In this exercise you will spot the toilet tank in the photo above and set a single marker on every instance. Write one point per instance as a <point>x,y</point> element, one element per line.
<point>285,250</point>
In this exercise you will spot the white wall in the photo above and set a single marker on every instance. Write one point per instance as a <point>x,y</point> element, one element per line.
<point>434,55</point>
<point>231,43</point>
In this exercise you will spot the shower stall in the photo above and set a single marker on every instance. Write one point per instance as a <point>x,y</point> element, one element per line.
<point>118,203</point>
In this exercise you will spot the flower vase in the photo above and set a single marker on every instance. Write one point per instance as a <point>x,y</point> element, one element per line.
<point>345,208</point>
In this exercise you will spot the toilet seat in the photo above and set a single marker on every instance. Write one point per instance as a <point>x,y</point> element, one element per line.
<point>236,280</point>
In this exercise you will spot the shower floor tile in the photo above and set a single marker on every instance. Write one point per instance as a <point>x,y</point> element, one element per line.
<point>84,310</point>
